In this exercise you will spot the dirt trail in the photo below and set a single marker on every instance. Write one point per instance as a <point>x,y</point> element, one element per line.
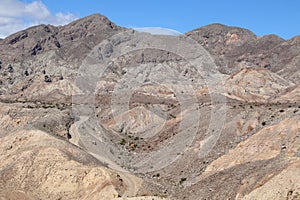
<point>74,130</point>
<point>133,183</point>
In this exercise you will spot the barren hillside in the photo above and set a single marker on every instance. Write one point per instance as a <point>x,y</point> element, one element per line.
<point>91,110</point>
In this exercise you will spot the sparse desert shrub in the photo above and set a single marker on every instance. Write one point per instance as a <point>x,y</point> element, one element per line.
<point>182,180</point>
<point>123,142</point>
<point>10,68</point>
<point>47,79</point>
<point>26,73</point>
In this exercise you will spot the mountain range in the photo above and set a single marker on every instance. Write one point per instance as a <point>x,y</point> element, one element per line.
<point>92,110</point>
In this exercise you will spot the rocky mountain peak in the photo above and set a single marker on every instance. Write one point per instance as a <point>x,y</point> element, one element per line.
<point>90,25</point>
<point>215,35</point>
<point>93,19</point>
<point>43,38</point>
<point>295,40</point>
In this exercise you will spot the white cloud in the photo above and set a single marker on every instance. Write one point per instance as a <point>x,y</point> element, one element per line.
<point>37,10</point>
<point>16,15</point>
<point>158,31</point>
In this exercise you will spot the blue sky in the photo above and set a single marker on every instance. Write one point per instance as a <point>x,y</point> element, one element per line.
<point>262,17</point>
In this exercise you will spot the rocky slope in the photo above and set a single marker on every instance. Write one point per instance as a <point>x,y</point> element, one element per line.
<point>36,165</point>
<point>91,110</point>
<point>235,48</point>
